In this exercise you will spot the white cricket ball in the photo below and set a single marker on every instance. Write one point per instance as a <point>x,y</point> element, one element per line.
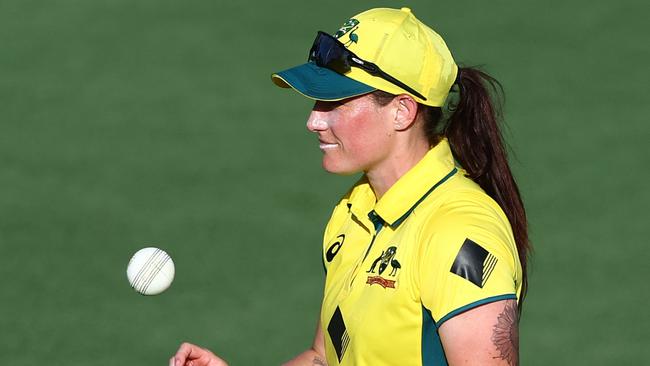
<point>150,271</point>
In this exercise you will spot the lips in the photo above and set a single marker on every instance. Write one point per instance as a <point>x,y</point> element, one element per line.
<point>325,145</point>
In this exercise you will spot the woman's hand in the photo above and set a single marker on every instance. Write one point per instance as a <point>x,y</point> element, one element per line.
<point>192,355</point>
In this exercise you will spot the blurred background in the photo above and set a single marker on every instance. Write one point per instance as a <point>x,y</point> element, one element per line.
<point>126,124</point>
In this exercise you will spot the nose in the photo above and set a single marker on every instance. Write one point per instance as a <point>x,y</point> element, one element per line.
<point>317,122</point>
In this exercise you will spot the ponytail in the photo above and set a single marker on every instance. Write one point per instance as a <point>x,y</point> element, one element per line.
<point>475,137</point>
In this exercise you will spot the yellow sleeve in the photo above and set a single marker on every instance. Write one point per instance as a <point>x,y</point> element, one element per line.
<point>339,214</point>
<point>468,257</point>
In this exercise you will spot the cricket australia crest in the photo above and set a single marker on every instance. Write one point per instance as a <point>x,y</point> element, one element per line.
<point>385,259</point>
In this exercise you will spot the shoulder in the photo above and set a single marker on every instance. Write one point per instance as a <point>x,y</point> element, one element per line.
<point>462,204</point>
<point>465,213</point>
<point>468,254</point>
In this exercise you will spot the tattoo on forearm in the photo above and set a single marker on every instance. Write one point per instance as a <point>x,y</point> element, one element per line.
<point>505,334</point>
<point>318,362</point>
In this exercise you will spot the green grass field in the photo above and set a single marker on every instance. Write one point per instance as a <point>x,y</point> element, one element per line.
<point>126,124</point>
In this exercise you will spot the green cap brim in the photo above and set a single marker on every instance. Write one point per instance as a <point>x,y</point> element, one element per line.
<point>320,83</point>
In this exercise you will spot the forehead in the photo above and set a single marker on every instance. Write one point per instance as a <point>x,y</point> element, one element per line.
<point>356,102</point>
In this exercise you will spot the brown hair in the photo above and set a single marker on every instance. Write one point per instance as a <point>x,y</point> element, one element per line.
<point>472,126</point>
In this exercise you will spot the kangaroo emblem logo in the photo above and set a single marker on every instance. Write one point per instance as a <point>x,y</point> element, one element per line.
<point>346,27</point>
<point>387,257</point>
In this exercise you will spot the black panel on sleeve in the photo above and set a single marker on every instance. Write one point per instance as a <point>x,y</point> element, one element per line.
<point>473,263</point>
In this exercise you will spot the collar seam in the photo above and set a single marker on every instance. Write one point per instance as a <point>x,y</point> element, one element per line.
<point>401,219</point>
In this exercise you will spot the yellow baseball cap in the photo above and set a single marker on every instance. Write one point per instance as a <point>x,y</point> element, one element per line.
<point>412,55</point>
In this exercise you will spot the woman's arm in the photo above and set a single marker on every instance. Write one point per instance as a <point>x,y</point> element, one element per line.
<point>485,335</point>
<point>314,356</point>
<point>190,354</point>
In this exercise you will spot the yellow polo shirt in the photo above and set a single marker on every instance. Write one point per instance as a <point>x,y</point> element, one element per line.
<point>433,246</point>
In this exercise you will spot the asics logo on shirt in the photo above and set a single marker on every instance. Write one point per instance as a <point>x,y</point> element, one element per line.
<point>333,250</point>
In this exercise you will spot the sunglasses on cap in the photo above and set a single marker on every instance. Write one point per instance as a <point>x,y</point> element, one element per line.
<point>330,53</point>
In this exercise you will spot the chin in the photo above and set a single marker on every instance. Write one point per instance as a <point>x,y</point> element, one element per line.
<point>337,169</point>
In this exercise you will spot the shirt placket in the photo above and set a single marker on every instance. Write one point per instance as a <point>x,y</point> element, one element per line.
<point>378,224</point>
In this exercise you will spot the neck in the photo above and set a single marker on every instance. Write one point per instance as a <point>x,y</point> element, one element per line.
<point>382,177</point>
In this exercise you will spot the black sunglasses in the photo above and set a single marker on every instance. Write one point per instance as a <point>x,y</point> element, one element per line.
<point>329,52</point>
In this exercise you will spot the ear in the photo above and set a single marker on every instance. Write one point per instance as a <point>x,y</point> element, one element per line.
<point>406,109</point>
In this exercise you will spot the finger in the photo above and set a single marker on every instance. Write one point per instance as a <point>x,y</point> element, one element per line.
<point>208,358</point>
<point>186,352</point>
<point>192,355</point>
<point>204,360</point>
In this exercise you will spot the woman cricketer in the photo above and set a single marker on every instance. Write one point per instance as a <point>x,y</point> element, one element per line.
<point>425,256</point>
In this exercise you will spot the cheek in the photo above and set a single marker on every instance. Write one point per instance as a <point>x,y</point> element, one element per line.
<point>359,125</point>
<point>369,133</point>
<point>363,139</point>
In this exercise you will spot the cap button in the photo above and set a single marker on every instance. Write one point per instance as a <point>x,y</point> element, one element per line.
<point>406,10</point>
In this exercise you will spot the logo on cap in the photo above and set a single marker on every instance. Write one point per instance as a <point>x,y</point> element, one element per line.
<point>348,27</point>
